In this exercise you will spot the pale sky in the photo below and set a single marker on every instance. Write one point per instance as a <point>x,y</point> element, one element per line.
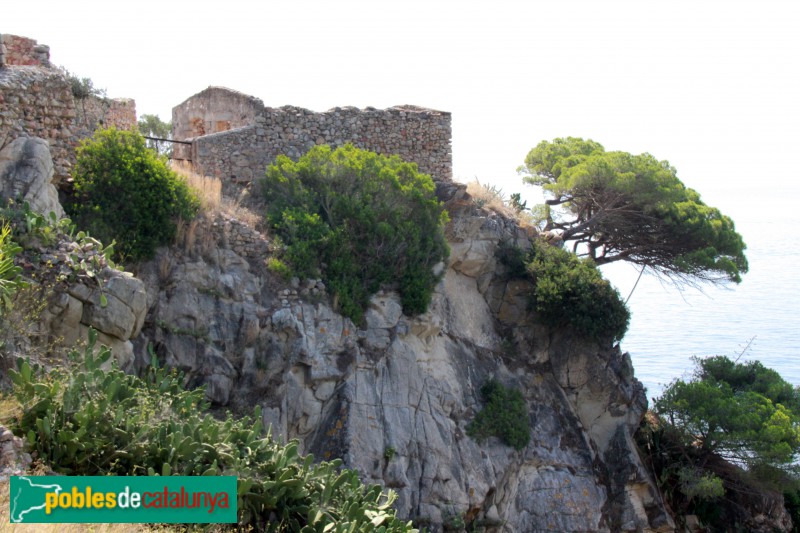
<point>711,86</point>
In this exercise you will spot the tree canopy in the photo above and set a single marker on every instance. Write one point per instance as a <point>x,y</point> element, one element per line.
<point>153,126</point>
<point>742,411</point>
<point>617,206</point>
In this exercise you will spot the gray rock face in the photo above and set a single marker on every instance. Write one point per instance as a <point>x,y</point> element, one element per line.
<point>393,397</point>
<point>116,309</point>
<point>26,172</point>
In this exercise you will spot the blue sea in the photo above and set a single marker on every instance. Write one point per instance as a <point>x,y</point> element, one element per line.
<point>669,326</point>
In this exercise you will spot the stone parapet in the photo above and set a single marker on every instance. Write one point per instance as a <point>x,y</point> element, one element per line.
<point>234,137</point>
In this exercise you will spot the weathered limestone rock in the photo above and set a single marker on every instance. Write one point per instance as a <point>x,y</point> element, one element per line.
<point>26,173</point>
<point>393,396</point>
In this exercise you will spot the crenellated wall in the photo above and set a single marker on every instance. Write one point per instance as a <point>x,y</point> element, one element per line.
<point>239,137</point>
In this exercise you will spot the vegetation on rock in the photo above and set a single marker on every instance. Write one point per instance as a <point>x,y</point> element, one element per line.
<point>568,291</point>
<point>89,420</point>
<point>359,220</point>
<point>723,443</point>
<point>505,415</point>
<point>10,280</point>
<point>126,193</point>
<point>744,412</point>
<point>618,206</point>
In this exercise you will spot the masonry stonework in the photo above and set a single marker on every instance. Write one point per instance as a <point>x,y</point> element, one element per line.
<point>239,137</point>
<point>22,51</point>
<point>36,100</point>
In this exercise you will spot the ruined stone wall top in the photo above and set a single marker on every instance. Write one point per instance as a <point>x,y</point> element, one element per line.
<point>239,151</point>
<point>214,110</point>
<point>22,51</point>
<point>37,101</point>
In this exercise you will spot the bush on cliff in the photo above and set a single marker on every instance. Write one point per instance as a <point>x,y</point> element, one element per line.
<point>745,412</point>
<point>359,220</point>
<point>568,291</point>
<point>125,192</point>
<point>724,443</point>
<point>93,420</point>
<point>505,416</point>
<point>571,291</point>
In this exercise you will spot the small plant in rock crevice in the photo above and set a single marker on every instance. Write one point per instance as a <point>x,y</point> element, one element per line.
<point>505,415</point>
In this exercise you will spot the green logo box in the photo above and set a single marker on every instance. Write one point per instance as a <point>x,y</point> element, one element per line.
<point>121,499</point>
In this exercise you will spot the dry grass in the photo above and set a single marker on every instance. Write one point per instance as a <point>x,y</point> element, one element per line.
<point>208,189</point>
<point>490,197</point>
<point>241,213</point>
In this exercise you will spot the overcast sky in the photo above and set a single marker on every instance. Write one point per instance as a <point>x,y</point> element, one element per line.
<point>712,87</point>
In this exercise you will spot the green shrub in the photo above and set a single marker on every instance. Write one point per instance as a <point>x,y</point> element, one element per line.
<point>571,291</point>
<point>505,415</point>
<point>744,412</point>
<point>791,500</point>
<point>125,192</point>
<point>90,421</point>
<point>10,280</point>
<point>359,220</point>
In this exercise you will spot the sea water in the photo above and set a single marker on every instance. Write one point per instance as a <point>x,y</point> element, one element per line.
<point>758,319</point>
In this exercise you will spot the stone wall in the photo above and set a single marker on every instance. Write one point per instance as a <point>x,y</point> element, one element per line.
<point>214,110</point>
<point>242,153</point>
<point>22,51</point>
<point>93,112</point>
<point>37,101</point>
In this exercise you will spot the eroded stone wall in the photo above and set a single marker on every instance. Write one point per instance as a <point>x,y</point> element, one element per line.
<point>37,101</point>
<point>214,110</point>
<point>22,51</point>
<point>92,113</point>
<point>235,137</point>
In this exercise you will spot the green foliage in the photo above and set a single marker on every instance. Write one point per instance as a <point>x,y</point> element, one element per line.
<point>618,206</point>
<point>153,126</point>
<point>742,411</point>
<point>10,281</point>
<point>93,419</point>
<point>516,203</point>
<point>791,500</point>
<point>359,220</point>
<point>699,485</point>
<point>389,453</point>
<point>505,415</point>
<point>571,291</point>
<point>126,193</point>
<point>82,88</point>
<point>276,266</point>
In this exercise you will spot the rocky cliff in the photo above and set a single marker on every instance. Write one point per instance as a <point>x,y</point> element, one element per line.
<point>393,398</point>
